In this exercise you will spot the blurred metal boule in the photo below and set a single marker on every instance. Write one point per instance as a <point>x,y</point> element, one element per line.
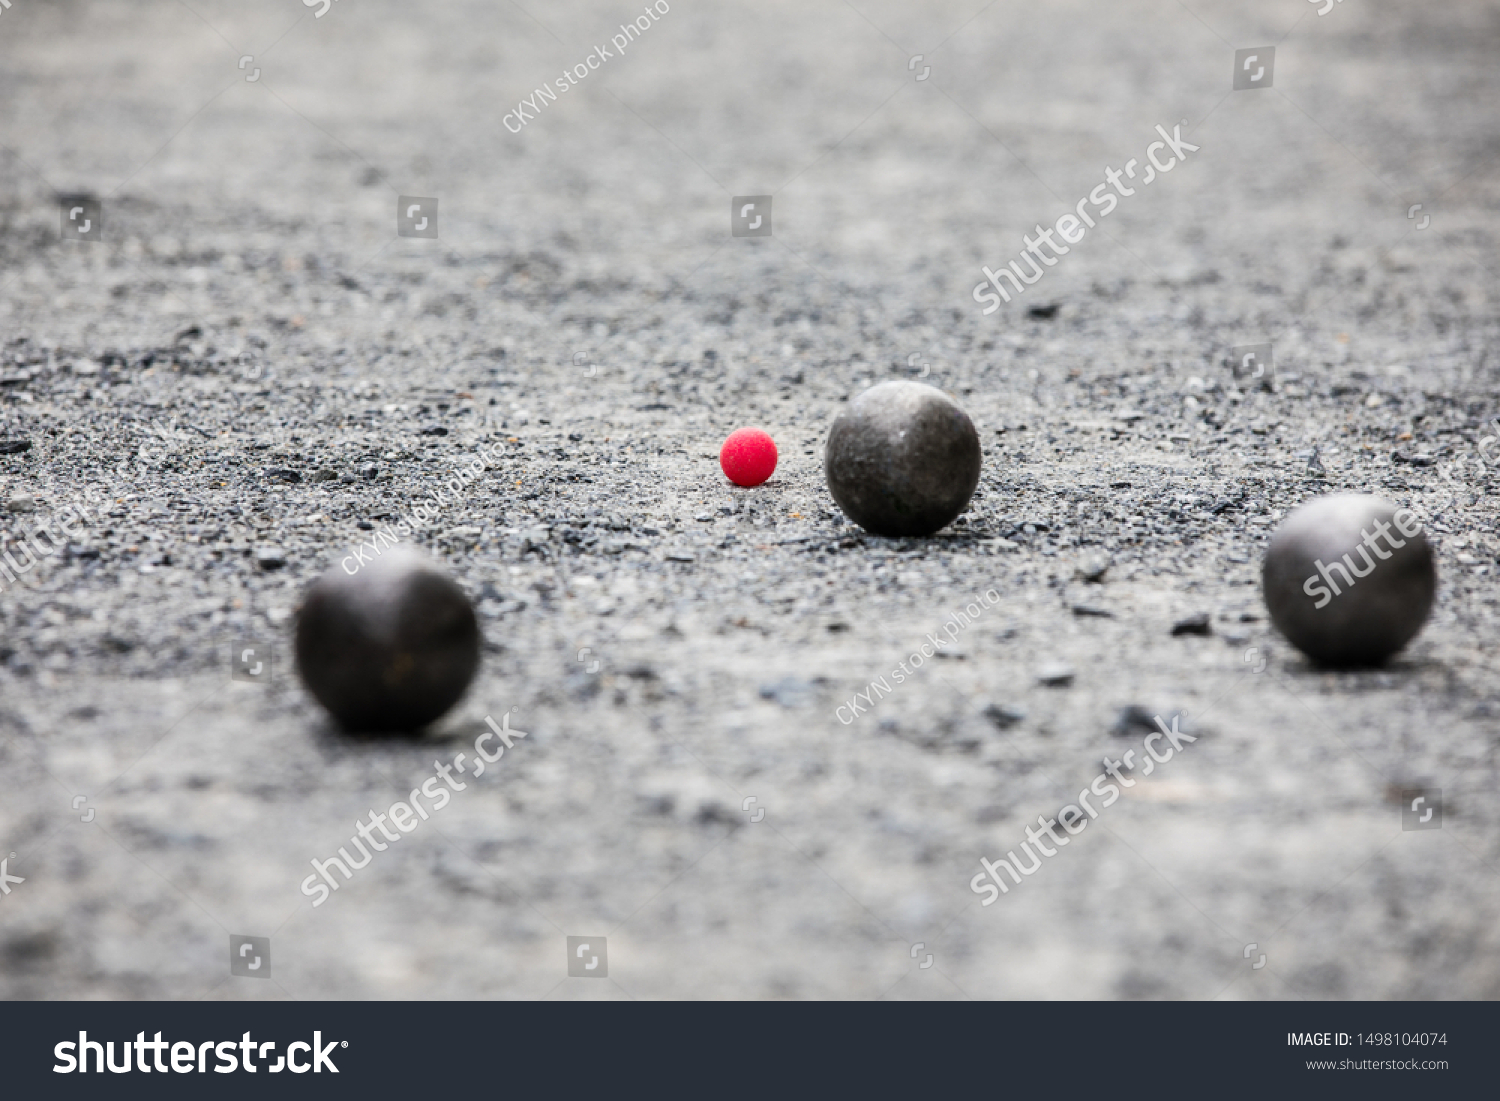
<point>390,647</point>
<point>1349,579</point>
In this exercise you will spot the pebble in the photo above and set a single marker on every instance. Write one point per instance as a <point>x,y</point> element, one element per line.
<point>14,446</point>
<point>21,502</point>
<point>1055,676</point>
<point>391,648</point>
<point>270,558</point>
<point>1094,567</point>
<point>1198,624</point>
<point>1370,617</point>
<point>1133,720</point>
<point>902,459</point>
<point>1004,716</point>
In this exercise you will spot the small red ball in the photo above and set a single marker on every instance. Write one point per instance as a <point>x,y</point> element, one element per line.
<point>748,457</point>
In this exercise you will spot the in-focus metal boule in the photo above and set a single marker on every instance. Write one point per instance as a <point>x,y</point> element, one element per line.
<point>1349,579</point>
<point>390,648</point>
<point>902,459</point>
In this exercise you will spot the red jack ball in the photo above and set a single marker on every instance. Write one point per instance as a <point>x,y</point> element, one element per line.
<point>748,457</point>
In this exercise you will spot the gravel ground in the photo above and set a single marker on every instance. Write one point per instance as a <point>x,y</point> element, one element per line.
<point>250,374</point>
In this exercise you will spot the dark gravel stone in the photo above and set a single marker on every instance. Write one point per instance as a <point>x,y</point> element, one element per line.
<point>270,558</point>
<point>1004,716</point>
<point>392,647</point>
<point>1193,625</point>
<point>1055,676</point>
<point>14,446</point>
<point>1338,585</point>
<point>1133,720</point>
<point>902,459</point>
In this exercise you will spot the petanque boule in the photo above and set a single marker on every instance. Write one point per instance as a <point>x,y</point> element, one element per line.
<point>390,647</point>
<point>1349,579</point>
<point>902,459</point>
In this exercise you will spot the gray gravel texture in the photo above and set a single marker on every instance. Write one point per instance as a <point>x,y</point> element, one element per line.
<point>251,373</point>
